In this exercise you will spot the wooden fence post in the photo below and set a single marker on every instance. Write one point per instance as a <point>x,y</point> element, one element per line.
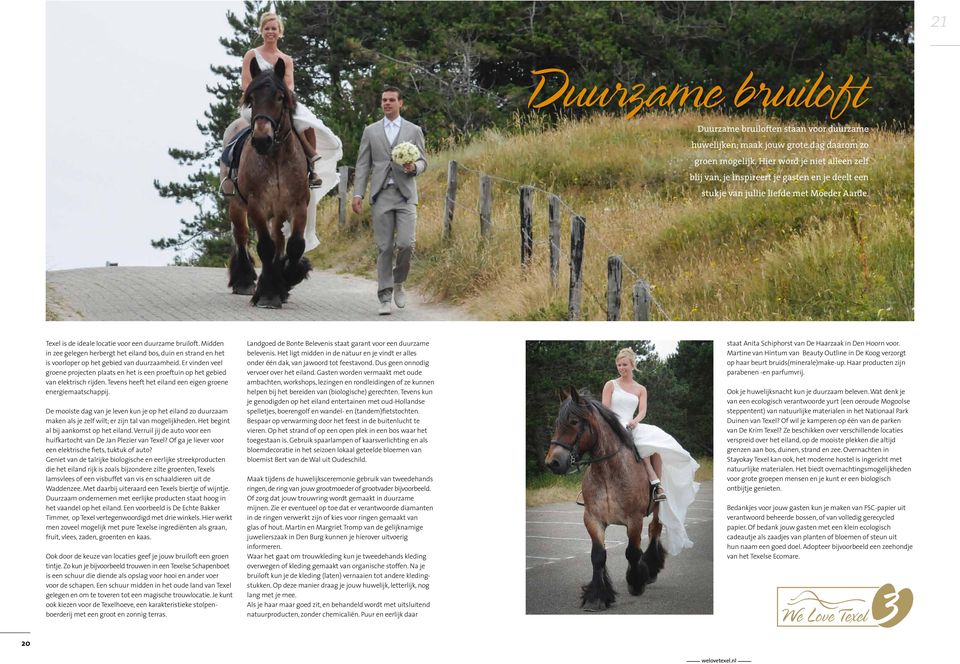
<point>343,193</point>
<point>486,203</point>
<point>451,199</point>
<point>578,226</point>
<point>554,221</point>
<point>526,224</point>
<point>641,300</point>
<point>614,284</point>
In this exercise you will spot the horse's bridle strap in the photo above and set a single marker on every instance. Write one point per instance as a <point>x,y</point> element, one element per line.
<point>574,447</point>
<point>575,451</point>
<point>275,125</point>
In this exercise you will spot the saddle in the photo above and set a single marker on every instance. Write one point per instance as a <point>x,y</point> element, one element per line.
<point>231,157</point>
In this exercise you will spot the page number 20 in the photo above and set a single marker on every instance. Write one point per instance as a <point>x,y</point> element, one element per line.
<point>24,643</point>
<point>939,22</point>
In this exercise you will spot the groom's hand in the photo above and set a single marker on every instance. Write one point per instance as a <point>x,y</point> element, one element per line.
<point>409,168</point>
<point>357,204</point>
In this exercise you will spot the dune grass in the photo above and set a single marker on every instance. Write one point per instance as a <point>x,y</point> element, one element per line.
<point>706,259</point>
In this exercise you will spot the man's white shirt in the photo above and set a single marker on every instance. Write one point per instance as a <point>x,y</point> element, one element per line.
<point>391,128</point>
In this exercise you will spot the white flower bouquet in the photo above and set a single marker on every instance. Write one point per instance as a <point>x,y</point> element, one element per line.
<point>405,153</point>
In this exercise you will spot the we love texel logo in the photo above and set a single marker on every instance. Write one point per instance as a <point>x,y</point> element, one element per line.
<point>859,606</point>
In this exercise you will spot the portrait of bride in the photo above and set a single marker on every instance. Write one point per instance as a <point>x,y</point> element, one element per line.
<point>669,466</point>
<point>619,476</point>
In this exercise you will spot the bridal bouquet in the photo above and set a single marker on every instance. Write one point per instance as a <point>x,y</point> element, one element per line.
<point>405,153</point>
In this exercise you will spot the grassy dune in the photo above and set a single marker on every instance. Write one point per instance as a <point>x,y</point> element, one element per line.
<point>706,259</point>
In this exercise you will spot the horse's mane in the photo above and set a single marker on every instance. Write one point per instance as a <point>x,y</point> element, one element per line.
<point>268,78</point>
<point>581,409</point>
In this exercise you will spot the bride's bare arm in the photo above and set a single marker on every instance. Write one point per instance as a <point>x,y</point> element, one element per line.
<point>607,397</point>
<point>245,75</point>
<point>642,405</point>
<point>288,74</point>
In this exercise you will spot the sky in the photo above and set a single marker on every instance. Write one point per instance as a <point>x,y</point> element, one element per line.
<point>124,82</point>
<point>665,348</point>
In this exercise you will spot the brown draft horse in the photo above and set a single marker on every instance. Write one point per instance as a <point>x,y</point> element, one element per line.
<point>616,490</point>
<point>272,187</point>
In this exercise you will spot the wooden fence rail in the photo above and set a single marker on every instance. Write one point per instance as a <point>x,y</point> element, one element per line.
<point>578,228</point>
<point>554,230</point>
<point>343,194</point>
<point>486,205</point>
<point>450,201</point>
<point>526,225</point>
<point>614,284</point>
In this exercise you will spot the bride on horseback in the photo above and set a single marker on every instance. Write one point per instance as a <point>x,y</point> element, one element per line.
<point>322,147</point>
<point>670,467</point>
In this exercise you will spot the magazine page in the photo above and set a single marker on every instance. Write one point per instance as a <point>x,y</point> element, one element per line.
<point>485,328</point>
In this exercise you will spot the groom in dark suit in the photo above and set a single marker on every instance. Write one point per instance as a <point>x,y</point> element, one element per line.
<point>393,195</point>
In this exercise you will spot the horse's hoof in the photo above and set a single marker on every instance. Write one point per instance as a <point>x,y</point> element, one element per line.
<point>269,302</point>
<point>636,591</point>
<point>244,290</point>
<point>595,606</point>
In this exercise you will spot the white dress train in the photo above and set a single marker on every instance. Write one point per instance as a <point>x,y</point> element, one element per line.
<point>676,475</point>
<point>330,150</point>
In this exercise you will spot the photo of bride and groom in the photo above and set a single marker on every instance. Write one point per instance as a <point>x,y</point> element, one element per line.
<point>381,160</point>
<point>773,212</point>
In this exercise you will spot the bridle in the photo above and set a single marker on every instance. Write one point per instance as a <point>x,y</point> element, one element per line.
<point>275,125</point>
<point>575,451</point>
<point>574,447</point>
<point>276,139</point>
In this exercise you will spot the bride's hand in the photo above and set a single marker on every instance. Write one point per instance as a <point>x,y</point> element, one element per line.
<point>631,425</point>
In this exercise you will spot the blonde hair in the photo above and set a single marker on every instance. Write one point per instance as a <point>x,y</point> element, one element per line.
<point>271,16</point>
<point>629,354</point>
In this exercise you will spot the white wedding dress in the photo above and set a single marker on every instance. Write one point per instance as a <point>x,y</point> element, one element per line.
<point>676,475</point>
<point>330,149</point>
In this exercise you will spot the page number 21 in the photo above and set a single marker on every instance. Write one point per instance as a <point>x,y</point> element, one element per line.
<point>939,22</point>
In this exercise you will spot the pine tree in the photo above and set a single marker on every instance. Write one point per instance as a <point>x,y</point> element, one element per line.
<point>206,237</point>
